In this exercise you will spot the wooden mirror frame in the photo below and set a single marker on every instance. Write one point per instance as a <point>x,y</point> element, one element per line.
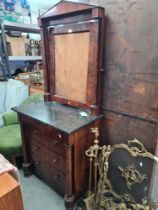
<point>79,18</point>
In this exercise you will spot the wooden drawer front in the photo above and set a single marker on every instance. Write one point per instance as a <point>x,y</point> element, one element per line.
<point>52,140</point>
<point>58,181</point>
<point>57,142</point>
<point>49,174</point>
<point>37,135</point>
<point>47,136</point>
<point>40,151</point>
<point>58,162</point>
<point>58,146</point>
<point>57,177</point>
<point>38,165</point>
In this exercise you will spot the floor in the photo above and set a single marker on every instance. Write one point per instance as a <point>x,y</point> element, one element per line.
<point>38,196</point>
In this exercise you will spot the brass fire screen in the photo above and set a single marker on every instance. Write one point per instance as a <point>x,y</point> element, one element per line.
<point>122,175</point>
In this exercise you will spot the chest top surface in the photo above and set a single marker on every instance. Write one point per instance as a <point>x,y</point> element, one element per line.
<point>72,39</point>
<point>61,117</point>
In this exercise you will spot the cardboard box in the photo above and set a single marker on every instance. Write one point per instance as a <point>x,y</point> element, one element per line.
<point>16,46</point>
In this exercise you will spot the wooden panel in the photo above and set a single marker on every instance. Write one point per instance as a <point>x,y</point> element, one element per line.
<point>58,161</point>
<point>84,138</point>
<point>45,135</point>
<point>10,194</point>
<point>71,64</point>
<point>38,150</point>
<point>118,128</point>
<point>16,46</point>
<point>131,94</point>
<point>84,26</point>
<point>131,78</point>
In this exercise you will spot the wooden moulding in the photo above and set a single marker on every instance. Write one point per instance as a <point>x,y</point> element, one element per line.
<point>72,51</point>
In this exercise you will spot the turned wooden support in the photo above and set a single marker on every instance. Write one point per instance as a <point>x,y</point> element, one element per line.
<point>69,196</point>
<point>27,166</point>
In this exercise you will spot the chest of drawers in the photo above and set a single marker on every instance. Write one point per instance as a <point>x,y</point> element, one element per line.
<point>47,153</point>
<point>54,139</point>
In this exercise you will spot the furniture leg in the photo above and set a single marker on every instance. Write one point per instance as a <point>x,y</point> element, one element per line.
<point>69,197</point>
<point>13,160</point>
<point>27,169</point>
<point>27,166</point>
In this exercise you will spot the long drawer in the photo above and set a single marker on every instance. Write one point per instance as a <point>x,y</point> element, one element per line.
<point>47,136</point>
<point>36,149</point>
<point>50,174</point>
<point>58,162</point>
<point>49,156</point>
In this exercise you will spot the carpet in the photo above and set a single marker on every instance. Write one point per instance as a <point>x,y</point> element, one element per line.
<point>38,196</point>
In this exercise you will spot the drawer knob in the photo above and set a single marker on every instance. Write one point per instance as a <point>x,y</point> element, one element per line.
<point>37,163</point>
<point>35,136</point>
<point>59,135</point>
<point>56,176</point>
<point>36,148</point>
<point>55,160</point>
<point>56,142</point>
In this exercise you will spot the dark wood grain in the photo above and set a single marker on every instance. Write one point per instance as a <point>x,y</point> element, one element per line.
<point>91,19</point>
<point>44,63</point>
<point>57,158</point>
<point>121,128</point>
<point>130,79</point>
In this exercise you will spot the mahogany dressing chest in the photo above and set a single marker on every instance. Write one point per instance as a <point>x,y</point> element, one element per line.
<point>56,133</point>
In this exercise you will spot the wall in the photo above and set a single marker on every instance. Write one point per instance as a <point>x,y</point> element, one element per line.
<point>130,100</point>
